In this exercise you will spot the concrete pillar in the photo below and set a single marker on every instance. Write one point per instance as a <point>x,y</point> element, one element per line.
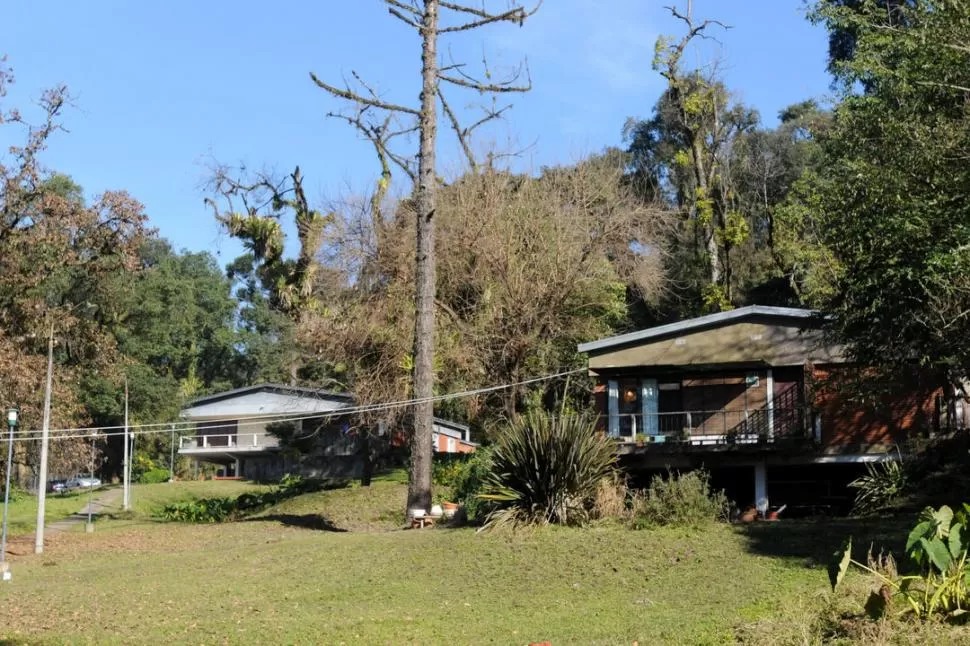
<point>761,487</point>
<point>770,407</point>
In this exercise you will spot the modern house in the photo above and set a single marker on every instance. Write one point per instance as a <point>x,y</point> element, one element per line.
<point>240,431</point>
<point>755,390</point>
<point>449,437</point>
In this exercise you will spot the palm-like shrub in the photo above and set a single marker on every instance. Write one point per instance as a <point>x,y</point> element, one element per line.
<point>547,469</point>
<point>883,484</point>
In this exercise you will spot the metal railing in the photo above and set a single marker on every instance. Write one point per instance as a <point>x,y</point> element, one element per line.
<point>710,427</point>
<point>228,441</point>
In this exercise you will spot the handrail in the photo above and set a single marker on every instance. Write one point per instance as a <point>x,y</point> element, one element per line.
<point>711,425</point>
<point>227,441</point>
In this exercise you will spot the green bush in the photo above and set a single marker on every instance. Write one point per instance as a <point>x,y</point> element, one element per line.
<point>547,470</point>
<point>683,500</point>
<point>154,476</point>
<point>883,484</point>
<point>466,483</point>
<point>217,510</point>
<point>205,510</point>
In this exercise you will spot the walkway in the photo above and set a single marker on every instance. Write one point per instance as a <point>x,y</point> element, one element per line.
<point>99,502</point>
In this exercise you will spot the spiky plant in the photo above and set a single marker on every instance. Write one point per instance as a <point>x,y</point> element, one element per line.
<point>882,485</point>
<point>547,469</point>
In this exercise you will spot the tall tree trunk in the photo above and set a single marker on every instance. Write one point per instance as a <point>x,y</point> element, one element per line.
<point>367,459</point>
<point>419,480</point>
<point>700,174</point>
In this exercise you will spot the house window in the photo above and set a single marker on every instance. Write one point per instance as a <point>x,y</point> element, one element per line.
<point>452,448</point>
<point>632,407</point>
<point>613,407</point>
<point>221,433</point>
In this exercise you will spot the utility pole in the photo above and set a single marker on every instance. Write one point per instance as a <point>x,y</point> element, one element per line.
<point>124,465</point>
<point>44,446</point>
<point>171,458</point>
<point>12,415</point>
<point>89,526</point>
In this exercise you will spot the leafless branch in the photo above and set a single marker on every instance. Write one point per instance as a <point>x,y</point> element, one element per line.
<point>481,13</point>
<point>461,133</point>
<point>516,15</point>
<point>353,96</point>
<point>378,135</point>
<point>400,16</point>
<point>410,8</point>
<point>483,87</point>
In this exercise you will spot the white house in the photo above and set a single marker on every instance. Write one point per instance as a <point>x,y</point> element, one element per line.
<point>231,431</point>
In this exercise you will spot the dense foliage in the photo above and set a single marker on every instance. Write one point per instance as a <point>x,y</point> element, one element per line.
<point>462,479</point>
<point>891,190</point>
<point>680,500</point>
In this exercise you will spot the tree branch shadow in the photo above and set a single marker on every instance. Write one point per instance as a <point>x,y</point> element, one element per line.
<point>306,521</point>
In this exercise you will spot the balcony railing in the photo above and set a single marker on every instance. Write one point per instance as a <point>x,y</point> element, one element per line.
<point>711,427</point>
<point>228,441</point>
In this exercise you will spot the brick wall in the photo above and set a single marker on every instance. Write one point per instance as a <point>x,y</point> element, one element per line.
<point>855,412</point>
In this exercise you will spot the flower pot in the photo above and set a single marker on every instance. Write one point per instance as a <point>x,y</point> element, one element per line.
<point>452,506</point>
<point>749,516</point>
<point>772,515</point>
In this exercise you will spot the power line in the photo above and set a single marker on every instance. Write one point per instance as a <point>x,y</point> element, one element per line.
<point>256,420</point>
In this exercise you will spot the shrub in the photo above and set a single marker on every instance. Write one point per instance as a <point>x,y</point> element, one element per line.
<point>683,500</point>
<point>467,483</point>
<point>882,485</point>
<point>940,588</point>
<point>154,476</point>
<point>205,510</point>
<point>217,510</point>
<point>547,470</point>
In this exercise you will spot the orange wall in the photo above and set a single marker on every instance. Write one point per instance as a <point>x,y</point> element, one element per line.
<point>904,408</point>
<point>460,446</point>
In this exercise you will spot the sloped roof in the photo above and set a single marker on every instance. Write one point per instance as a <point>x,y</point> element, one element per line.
<point>342,400</point>
<point>280,389</point>
<point>701,322</point>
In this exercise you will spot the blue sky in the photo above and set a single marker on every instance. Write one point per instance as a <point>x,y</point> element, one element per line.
<point>161,89</point>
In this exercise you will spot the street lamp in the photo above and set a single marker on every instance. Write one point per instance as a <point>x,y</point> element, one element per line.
<point>12,416</point>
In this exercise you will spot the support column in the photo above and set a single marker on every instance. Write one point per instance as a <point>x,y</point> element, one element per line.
<point>761,487</point>
<point>770,406</point>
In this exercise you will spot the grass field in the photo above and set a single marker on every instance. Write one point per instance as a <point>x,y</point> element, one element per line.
<point>23,510</point>
<point>277,579</point>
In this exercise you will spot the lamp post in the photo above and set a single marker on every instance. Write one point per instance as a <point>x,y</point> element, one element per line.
<point>89,526</point>
<point>12,415</point>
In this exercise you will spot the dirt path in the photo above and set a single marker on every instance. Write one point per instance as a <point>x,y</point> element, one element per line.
<point>99,502</point>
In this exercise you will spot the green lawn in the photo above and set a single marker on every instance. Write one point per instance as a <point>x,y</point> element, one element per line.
<point>23,510</point>
<point>275,579</point>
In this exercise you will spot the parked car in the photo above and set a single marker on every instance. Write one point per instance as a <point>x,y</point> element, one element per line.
<point>82,482</point>
<point>57,486</point>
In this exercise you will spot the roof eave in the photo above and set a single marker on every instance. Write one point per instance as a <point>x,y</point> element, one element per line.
<point>709,320</point>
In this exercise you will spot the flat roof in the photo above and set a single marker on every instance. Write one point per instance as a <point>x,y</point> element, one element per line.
<point>710,320</point>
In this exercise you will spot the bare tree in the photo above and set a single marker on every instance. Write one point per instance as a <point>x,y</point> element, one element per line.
<point>382,123</point>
